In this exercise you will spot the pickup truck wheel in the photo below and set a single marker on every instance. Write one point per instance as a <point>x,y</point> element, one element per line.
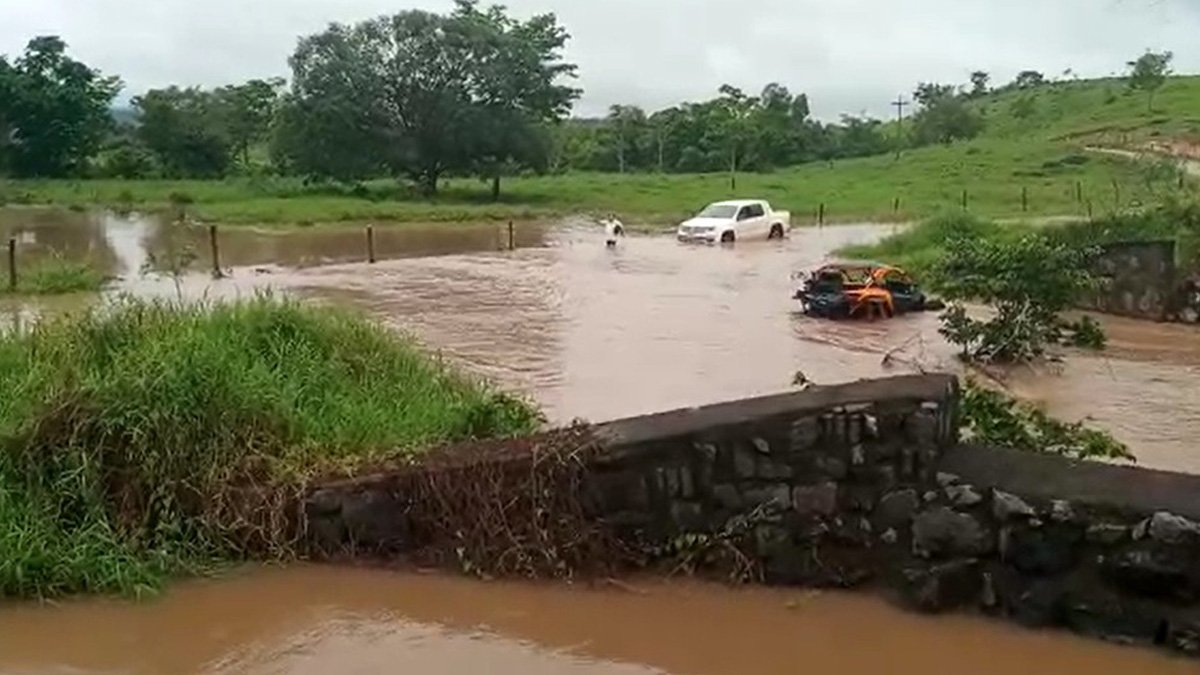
<point>727,238</point>
<point>776,232</point>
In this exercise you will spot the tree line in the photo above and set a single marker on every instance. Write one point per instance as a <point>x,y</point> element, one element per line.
<point>418,96</point>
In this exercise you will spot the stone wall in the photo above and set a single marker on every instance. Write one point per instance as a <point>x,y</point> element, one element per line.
<point>866,485</point>
<point>1138,280</point>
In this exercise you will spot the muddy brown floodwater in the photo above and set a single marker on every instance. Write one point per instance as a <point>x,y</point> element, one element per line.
<point>324,620</point>
<point>589,333</point>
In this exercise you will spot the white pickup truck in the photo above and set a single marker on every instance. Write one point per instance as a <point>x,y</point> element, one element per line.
<point>727,222</point>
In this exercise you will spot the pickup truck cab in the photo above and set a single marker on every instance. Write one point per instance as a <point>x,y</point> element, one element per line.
<point>731,221</point>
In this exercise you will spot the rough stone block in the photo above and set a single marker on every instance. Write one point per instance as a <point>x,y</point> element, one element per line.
<point>1043,551</point>
<point>1168,528</point>
<point>768,469</point>
<point>833,467</point>
<point>896,509</point>
<point>858,455</point>
<point>815,500</point>
<point>727,497</point>
<point>745,463</point>
<point>947,479</point>
<point>688,516</point>
<point>1111,618</point>
<point>860,498</point>
<point>943,587</point>
<point>374,518</point>
<point>921,429</point>
<point>1061,511</point>
<point>804,434</point>
<point>942,532</point>
<point>1106,534</point>
<point>774,495</point>
<point>687,484</point>
<point>1007,507</point>
<point>1154,571</point>
<point>963,495</point>
<point>771,541</point>
<point>323,502</point>
<point>1184,636</point>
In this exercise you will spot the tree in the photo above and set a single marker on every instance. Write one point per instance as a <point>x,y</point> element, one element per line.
<point>186,131</point>
<point>1149,73</point>
<point>979,83</point>
<point>628,125</point>
<point>249,111</point>
<point>944,115</point>
<point>1028,79</point>
<point>928,93</point>
<point>861,137</point>
<point>407,93</point>
<point>53,110</point>
<point>736,110</point>
<point>1027,282</point>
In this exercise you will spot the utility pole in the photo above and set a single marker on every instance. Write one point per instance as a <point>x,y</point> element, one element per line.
<point>900,104</point>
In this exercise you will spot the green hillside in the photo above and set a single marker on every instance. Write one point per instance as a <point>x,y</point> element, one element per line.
<point>1034,143</point>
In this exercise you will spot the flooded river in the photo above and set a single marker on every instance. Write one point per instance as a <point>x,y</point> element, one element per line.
<point>324,620</point>
<point>596,334</point>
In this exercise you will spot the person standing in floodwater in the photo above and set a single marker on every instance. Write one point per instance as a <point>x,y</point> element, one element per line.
<point>613,229</point>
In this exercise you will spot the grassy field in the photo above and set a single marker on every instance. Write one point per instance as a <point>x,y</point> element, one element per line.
<point>148,440</point>
<point>1022,166</point>
<point>919,247</point>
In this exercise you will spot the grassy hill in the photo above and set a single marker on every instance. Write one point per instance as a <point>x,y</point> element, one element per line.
<point>1034,144</point>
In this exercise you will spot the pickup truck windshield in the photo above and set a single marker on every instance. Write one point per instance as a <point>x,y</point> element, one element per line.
<point>718,211</point>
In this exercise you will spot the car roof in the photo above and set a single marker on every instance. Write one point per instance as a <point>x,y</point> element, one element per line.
<point>739,202</point>
<point>859,264</point>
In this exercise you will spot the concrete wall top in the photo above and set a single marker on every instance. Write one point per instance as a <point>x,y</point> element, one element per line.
<point>675,423</point>
<point>1105,486</point>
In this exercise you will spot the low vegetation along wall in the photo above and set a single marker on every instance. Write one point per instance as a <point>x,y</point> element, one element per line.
<point>862,485</point>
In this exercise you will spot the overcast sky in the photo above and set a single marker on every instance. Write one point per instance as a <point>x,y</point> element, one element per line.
<point>850,56</point>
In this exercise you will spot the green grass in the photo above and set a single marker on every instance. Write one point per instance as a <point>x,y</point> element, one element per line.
<point>55,276</point>
<point>919,247</point>
<point>146,439</point>
<point>1042,156</point>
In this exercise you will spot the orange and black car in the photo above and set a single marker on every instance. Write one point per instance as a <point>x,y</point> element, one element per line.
<point>868,290</point>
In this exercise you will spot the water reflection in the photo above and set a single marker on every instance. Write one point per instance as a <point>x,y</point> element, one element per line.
<point>326,620</point>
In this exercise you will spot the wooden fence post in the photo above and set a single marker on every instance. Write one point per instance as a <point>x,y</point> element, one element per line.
<point>371,244</point>
<point>1024,198</point>
<point>512,238</point>
<point>12,264</point>
<point>821,214</point>
<point>896,205</point>
<point>216,252</point>
<point>964,199</point>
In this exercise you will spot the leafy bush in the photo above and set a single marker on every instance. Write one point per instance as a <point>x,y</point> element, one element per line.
<point>1027,282</point>
<point>994,418</point>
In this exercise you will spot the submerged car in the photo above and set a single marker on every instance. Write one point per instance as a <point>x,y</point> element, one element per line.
<point>854,289</point>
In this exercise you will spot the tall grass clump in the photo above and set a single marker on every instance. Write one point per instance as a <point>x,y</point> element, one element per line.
<point>149,438</point>
<point>918,248</point>
<point>57,276</point>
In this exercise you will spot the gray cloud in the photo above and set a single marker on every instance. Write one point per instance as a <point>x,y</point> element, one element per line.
<point>848,55</point>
